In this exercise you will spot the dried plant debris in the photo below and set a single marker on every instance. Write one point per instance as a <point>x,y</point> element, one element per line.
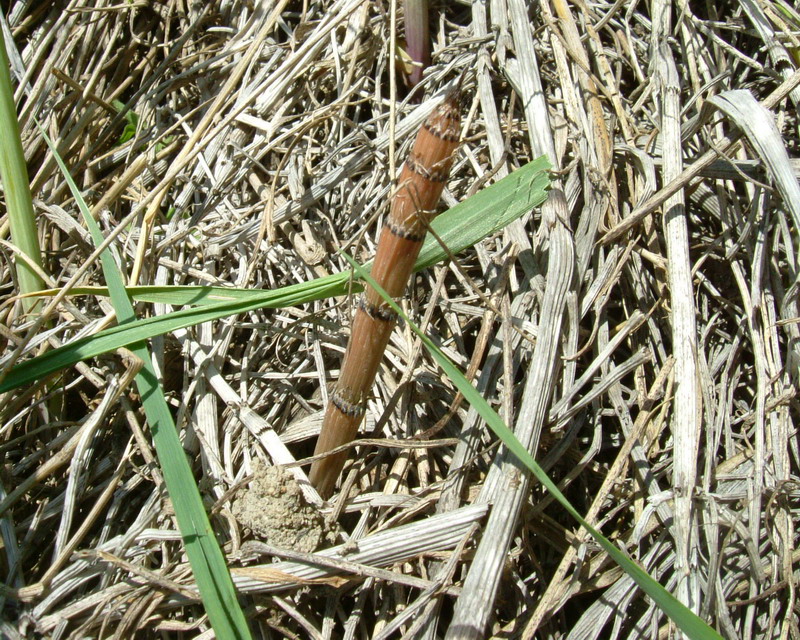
<point>274,509</point>
<point>639,334</point>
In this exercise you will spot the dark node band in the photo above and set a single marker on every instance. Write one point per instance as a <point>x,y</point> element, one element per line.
<point>348,408</point>
<point>436,174</point>
<point>448,109</point>
<point>401,232</point>
<point>377,312</point>
<point>443,133</point>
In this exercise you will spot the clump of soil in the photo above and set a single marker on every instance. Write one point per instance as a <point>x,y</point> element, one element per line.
<point>274,509</point>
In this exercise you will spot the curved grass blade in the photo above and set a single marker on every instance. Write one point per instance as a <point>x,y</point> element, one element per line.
<point>205,557</point>
<point>460,227</point>
<point>16,189</point>
<point>691,624</point>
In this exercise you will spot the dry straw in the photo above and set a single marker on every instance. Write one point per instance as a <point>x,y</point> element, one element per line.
<point>639,338</point>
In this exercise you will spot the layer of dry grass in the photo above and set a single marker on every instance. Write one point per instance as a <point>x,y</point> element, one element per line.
<point>266,139</point>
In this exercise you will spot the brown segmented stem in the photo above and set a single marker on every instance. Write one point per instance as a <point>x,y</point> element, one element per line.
<point>413,207</point>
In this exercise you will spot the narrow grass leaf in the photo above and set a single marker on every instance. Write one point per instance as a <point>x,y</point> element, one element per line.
<point>687,621</point>
<point>129,333</point>
<point>461,226</point>
<point>16,187</point>
<point>205,557</point>
<point>486,212</point>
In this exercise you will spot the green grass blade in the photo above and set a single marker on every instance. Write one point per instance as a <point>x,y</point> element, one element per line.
<point>687,621</point>
<point>461,226</point>
<point>486,212</point>
<point>465,224</point>
<point>205,557</point>
<point>418,40</point>
<point>133,332</point>
<point>14,176</point>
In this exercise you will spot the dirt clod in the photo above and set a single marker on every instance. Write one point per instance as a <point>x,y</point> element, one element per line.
<point>274,509</point>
